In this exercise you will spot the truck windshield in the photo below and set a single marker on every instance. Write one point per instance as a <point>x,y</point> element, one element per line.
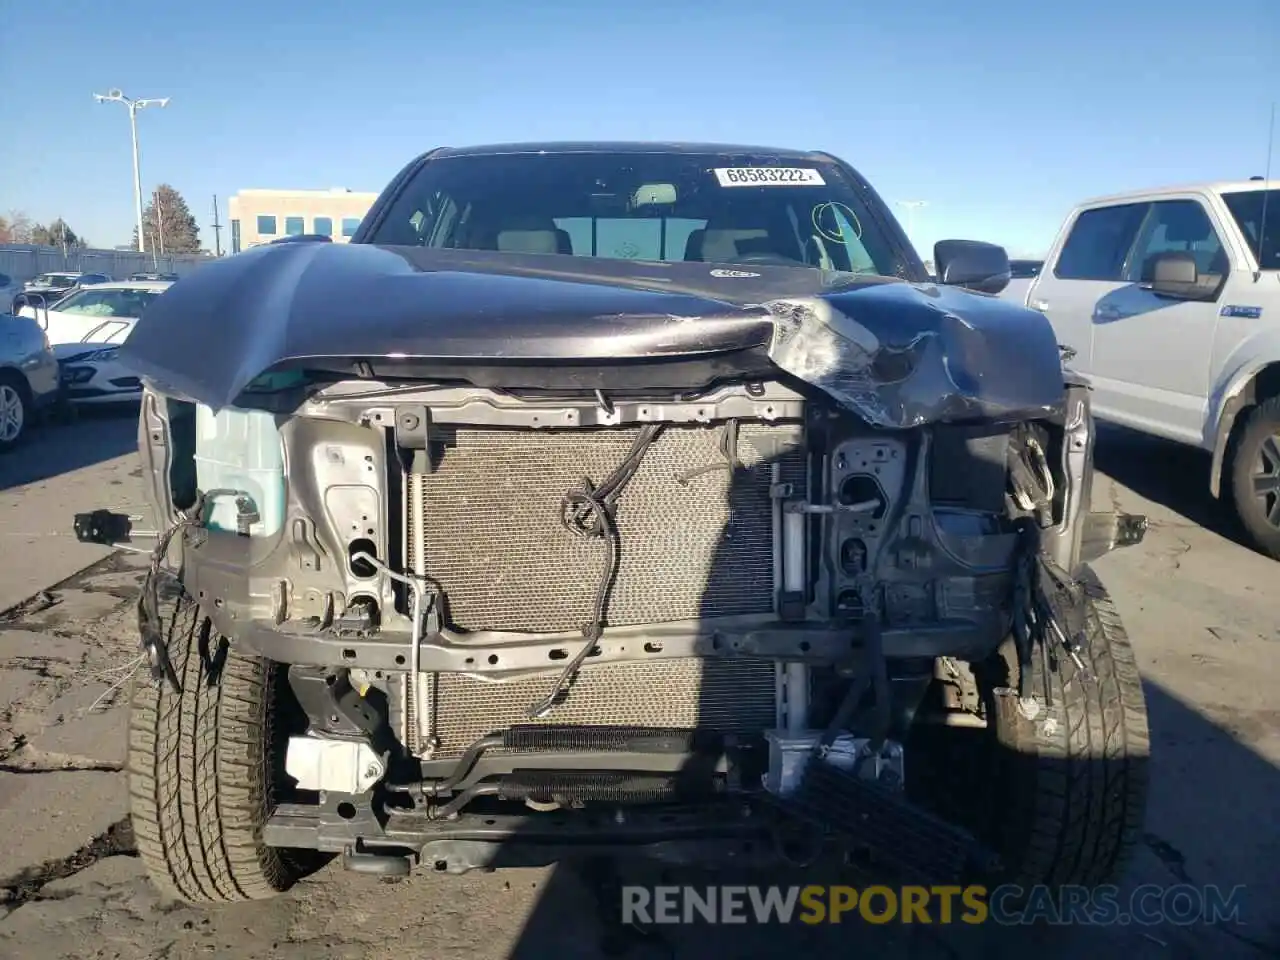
<point>1246,207</point>
<point>107,303</point>
<point>729,209</point>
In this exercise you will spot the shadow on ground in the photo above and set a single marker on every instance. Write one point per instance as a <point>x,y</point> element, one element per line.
<point>1191,838</point>
<point>94,435</point>
<point>1171,474</point>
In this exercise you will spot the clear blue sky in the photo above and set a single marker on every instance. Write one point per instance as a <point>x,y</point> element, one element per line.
<point>1000,114</point>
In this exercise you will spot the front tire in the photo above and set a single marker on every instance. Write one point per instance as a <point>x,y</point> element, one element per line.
<point>1255,477</point>
<point>202,767</point>
<point>1057,792</point>
<point>15,409</point>
<point>1074,777</point>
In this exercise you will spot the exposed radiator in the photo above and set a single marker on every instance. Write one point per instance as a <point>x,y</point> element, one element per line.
<point>683,694</point>
<point>485,529</point>
<point>490,536</point>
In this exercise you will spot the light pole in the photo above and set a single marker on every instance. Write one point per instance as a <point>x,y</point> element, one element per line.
<point>117,96</point>
<point>912,206</point>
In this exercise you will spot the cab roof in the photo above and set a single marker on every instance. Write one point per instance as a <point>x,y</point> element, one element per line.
<point>1209,186</point>
<point>625,146</point>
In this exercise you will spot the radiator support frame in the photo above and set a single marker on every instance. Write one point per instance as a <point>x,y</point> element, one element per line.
<point>434,703</point>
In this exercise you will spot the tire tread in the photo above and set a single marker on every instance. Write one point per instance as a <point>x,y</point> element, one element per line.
<point>198,771</point>
<point>1087,784</point>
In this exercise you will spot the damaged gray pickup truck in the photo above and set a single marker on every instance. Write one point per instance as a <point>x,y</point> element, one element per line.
<point>623,498</point>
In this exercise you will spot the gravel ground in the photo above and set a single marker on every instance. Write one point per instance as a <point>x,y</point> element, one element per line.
<point>1204,623</point>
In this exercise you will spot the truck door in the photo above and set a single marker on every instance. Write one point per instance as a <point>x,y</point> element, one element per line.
<point>1087,267</point>
<point>1152,353</point>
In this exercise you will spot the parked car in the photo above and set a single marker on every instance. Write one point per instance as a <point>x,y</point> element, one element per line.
<point>620,492</point>
<point>169,277</point>
<point>90,370</point>
<point>72,318</point>
<point>28,377</point>
<point>50,287</point>
<point>1168,299</point>
<point>1021,275</point>
<point>9,288</point>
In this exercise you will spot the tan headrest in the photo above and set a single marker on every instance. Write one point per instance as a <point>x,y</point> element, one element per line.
<point>721,246</point>
<point>528,241</point>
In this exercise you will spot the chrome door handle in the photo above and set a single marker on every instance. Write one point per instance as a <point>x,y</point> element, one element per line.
<point>1041,305</point>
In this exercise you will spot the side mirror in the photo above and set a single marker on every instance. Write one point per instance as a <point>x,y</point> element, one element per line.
<point>972,264</point>
<point>1175,275</point>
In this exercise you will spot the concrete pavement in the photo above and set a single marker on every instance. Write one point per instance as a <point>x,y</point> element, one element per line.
<point>57,472</point>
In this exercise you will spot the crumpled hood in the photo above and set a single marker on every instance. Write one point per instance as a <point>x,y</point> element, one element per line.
<point>896,353</point>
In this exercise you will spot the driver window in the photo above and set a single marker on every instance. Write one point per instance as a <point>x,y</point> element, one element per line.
<point>1178,226</point>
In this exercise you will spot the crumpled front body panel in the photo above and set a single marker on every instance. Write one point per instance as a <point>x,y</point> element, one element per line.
<point>895,353</point>
<point>901,356</point>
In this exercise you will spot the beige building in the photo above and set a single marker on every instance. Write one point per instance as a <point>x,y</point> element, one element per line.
<point>260,216</point>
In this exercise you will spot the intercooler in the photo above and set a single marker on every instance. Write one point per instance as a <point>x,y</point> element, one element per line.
<point>696,538</point>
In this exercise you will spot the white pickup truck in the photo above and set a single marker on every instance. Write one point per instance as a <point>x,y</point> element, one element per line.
<point>1170,300</point>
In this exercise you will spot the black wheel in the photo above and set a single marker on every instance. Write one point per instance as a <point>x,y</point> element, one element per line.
<point>1058,792</point>
<point>1255,477</point>
<point>203,767</point>
<point>15,409</point>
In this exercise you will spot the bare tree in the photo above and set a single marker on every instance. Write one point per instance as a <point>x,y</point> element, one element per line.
<point>20,227</point>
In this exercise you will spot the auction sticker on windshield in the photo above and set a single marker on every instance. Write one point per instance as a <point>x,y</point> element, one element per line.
<point>768,177</point>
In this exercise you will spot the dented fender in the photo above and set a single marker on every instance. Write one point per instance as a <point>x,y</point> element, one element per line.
<point>902,355</point>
